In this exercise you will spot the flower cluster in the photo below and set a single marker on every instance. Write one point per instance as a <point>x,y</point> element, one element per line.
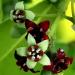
<point>37,44</point>
<point>59,63</point>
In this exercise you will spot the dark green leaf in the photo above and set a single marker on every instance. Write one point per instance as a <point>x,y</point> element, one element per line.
<point>43,72</point>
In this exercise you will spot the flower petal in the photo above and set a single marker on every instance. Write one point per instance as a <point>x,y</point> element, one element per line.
<point>45,60</point>
<point>44,25</point>
<point>44,45</point>
<point>31,40</point>
<point>45,37</point>
<point>29,15</point>
<point>30,25</point>
<point>31,64</point>
<point>21,51</point>
<point>19,5</point>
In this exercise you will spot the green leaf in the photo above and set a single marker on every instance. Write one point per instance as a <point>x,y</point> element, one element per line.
<point>43,72</point>
<point>1,11</point>
<point>7,6</point>
<point>17,30</point>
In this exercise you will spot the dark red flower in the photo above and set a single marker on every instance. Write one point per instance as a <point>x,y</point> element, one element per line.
<point>21,61</point>
<point>38,31</point>
<point>59,63</point>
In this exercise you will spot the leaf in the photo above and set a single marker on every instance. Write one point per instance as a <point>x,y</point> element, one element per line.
<point>17,30</point>
<point>7,6</point>
<point>1,11</point>
<point>43,72</point>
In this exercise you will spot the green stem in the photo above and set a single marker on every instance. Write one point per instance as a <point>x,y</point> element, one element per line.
<point>72,8</point>
<point>52,31</point>
<point>13,47</point>
<point>44,13</point>
<point>47,15</point>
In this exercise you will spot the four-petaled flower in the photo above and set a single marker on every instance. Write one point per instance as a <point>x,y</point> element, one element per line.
<point>35,53</point>
<point>59,63</point>
<point>37,31</point>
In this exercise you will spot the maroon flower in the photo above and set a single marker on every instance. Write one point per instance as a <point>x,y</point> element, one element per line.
<point>21,61</point>
<point>59,63</point>
<point>38,31</point>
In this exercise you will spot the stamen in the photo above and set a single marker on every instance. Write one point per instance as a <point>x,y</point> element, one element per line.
<point>38,56</point>
<point>20,16</point>
<point>17,12</point>
<point>33,49</point>
<point>33,57</point>
<point>37,51</point>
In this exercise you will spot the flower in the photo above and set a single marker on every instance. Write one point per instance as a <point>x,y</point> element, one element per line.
<point>59,63</point>
<point>19,14</point>
<point>37,31</point>
<point>35,53</point>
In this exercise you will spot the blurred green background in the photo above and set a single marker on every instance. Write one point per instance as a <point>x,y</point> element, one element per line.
<point>61,28</point>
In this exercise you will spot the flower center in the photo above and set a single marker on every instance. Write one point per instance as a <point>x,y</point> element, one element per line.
<point>18,16</point>
<point>35,53</point>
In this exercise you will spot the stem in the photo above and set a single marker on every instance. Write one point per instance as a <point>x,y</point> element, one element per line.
<point>72,8</point>
<point>13,47</point>
<point>47,15</point>
<point>44,13</point>
<point>52,31</point>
